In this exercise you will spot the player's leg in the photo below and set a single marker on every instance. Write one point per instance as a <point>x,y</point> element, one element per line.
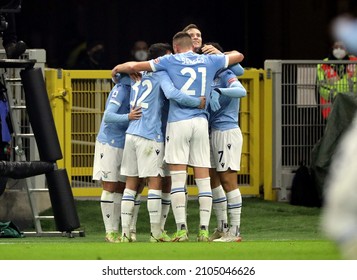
<point>199,159</point>
<point>109,176</point>
<point>137,203</point>
<point>219,199</point>
<point>234,204</point>
<point>150,166</point>
<point>229,144</point>
<point>110,203</point>
<point>176,156</point>
<point>203,183</point>
<point>154,208</point>
<point>165,200</point>
<point>219,205</point>
<point>129,168</point>
<point>178,201</point>
<point>127,206</point>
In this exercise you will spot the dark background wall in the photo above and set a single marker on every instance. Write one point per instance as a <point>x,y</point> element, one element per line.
<point>265,29</point>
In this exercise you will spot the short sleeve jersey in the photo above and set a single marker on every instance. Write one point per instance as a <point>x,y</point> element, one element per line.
<point>193,74</point>
<point>148,95</point>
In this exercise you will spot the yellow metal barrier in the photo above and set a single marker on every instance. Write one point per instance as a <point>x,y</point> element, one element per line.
<point>78,99</point>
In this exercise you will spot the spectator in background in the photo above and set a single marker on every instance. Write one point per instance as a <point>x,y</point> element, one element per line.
<point>139,50</point>
<point>91,58</point>
<point>333,78</point>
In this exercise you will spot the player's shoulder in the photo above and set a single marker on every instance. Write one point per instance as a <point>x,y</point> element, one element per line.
<point>163,58</point>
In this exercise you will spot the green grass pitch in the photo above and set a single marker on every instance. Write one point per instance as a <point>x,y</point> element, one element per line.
<point>270,231</point>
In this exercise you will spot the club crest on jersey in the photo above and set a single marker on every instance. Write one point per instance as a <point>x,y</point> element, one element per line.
<point>229,146</point>
<point>167,138</point>
<point>157,151</point>
<point>222,164</point>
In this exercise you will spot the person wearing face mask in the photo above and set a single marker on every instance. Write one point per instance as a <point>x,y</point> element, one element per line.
<point>140,50</point>
<point>335,77</point>
<point>88,56</point>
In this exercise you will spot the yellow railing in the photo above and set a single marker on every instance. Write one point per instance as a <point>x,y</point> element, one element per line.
<point>78,99</point>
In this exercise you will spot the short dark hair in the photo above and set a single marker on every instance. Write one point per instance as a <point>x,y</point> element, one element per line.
<point>159,49</point>
<point>182,38</point>
<point>190,26</point>
<point>216,45</point>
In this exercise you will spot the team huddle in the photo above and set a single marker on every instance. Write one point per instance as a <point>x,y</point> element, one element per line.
<point>177,109</point>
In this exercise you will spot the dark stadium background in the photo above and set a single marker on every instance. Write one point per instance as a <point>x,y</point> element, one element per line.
<point>261,29</point>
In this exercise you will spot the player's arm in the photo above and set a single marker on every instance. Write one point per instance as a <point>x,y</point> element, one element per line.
<point>234,57</point>
<point>111,115</point>
<point>210,49</point>
<point>237,69</point>
<point>230,85</point>
<point>174,94</point>
<point>131,67</point>
<point>235,90</point>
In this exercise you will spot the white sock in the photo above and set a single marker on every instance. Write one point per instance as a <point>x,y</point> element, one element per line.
<point>154,208</point>
<point>107,207</point>
<point>134,219</point>
<point>234,202</point>
<point>186,195</point>
<point>127,207</point>
<point>117,210</point>
<point>219,205</point>
<point>165,208</point>
<point>178,198</point>
<point>205,201</point>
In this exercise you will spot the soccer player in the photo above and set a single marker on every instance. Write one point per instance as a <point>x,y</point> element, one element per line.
<point>218,194</point>
<point>144,144</point>
<point>226,148</point>
<point>208,48</point>
<point>187,141</point>
<point>108,155</point>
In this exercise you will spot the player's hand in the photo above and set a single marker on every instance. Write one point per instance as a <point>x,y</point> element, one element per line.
<point>209,49</point>
<point>203,102</point>
<point>214,101</point>
<point>135,113</point>
<point>116,78</point>
<point>135,76</point>
<point>114,72</point>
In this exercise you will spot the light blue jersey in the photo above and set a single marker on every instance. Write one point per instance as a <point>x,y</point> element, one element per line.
<point>227,116</point>
<point>193,74</point>
<point>148,95</point>
<point>113,133</point>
